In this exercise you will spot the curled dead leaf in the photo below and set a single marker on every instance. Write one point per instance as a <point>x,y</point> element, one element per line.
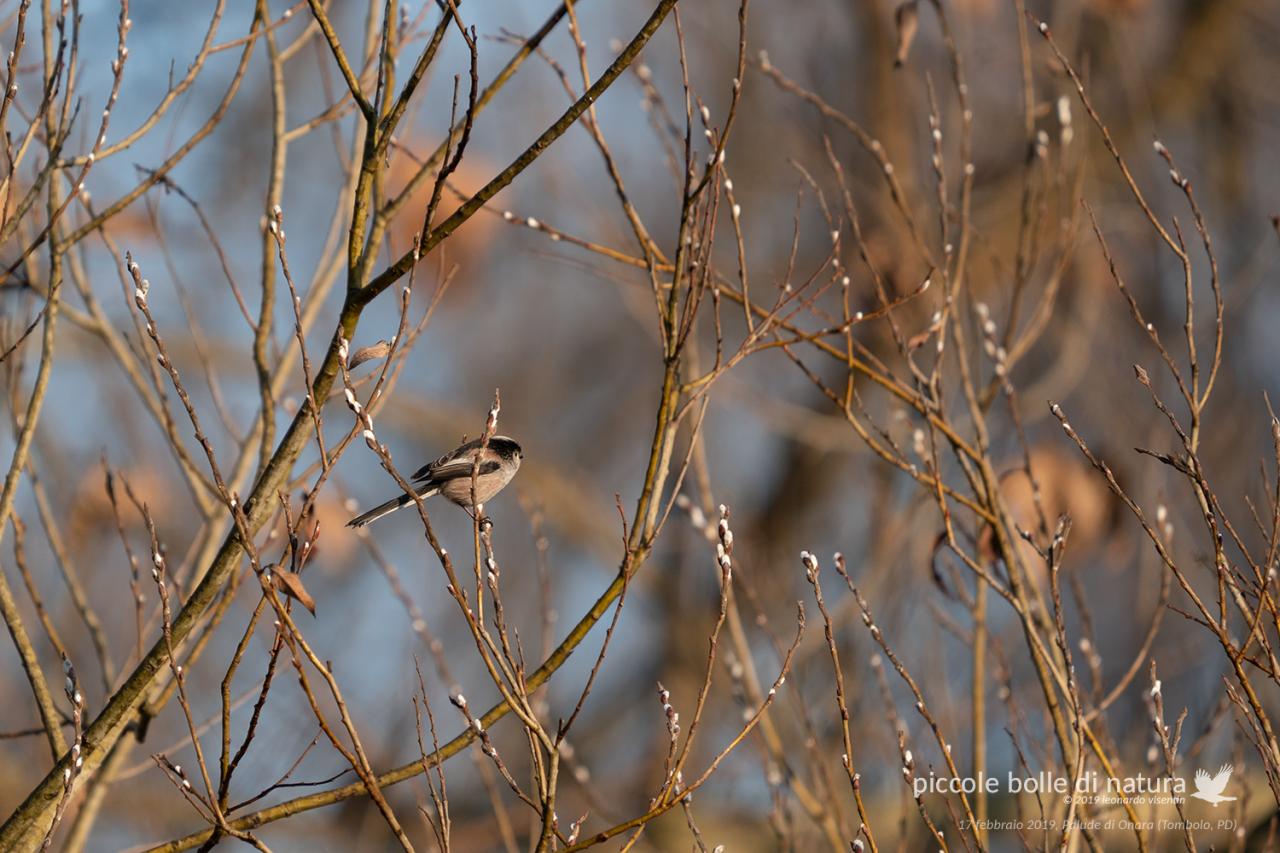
<point>919,339</point>
<point>291,585</point>
<point>907,17</point>
<point>360,356</point>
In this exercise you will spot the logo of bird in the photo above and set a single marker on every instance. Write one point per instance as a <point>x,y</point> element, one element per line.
<point>1210,788</point>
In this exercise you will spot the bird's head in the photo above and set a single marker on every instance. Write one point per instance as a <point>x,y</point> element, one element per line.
<point>506,448</point>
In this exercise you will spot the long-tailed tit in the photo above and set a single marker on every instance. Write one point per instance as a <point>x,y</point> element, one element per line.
<point>450,475</point>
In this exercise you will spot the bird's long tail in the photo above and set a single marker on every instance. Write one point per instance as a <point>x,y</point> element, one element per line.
<point>389,507</point>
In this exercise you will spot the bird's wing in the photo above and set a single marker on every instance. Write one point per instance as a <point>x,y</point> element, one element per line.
<point>1203,782</point>
<point>459,455</point>
<point>459,468</point>
<point>1219,782</point>
<point>460,463</point>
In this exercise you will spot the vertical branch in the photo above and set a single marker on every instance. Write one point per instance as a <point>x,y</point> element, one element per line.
<point>262,334</point>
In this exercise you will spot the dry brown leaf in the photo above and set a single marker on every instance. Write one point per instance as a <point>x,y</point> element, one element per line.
<point>360,356</point>
<point>291,585</point>
<point>907,18</point>
<point>919,339</point>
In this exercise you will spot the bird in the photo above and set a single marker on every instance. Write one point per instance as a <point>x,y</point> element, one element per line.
<point>450,475</point>
<point>1210,789</point>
